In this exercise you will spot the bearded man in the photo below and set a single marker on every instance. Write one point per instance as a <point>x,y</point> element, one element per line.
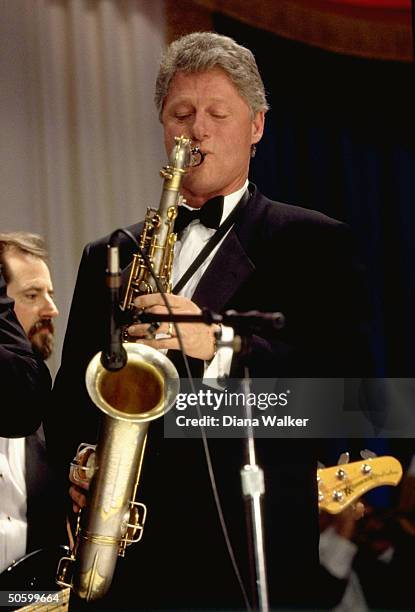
<point>24,474</point>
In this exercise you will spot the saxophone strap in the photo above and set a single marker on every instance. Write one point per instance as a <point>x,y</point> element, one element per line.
<point>212,243</point>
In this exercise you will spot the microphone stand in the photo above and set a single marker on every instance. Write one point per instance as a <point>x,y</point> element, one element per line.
<point>253,320</point>
<point>253,489</point>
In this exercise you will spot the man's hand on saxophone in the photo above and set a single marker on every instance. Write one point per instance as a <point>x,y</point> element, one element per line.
<point>198,339</point>
<point>78,497</point>
<point>79,476</point>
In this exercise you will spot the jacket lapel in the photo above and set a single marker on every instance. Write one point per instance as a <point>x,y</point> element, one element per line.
<point>35,462</point>
<point>228,270</point>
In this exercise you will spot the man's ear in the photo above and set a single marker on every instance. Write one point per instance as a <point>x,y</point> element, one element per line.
<point>257,127</point>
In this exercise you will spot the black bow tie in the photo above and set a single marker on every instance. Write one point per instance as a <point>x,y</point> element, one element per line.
<point>210,214</point>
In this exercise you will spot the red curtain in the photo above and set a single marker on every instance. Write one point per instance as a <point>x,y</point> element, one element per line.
<point>380,29</point>
<point>389,4</point>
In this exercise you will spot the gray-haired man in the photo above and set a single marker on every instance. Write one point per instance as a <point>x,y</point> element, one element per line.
<point>275,257</point>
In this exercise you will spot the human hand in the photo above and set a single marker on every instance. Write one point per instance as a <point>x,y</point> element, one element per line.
<point>79,499</point>
<point>345,522</point>
<point>80,474</point>
<point>198,338</point>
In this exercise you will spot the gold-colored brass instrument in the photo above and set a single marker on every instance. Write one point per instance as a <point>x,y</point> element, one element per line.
<point>143,390</point>
<point>157,239</point>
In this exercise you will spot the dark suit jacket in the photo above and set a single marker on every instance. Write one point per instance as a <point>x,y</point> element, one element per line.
<point>42,518</point>
<point>24,379</point>
<point>276,258</point>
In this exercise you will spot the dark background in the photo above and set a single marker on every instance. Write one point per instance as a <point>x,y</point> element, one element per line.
<point>339,138</point>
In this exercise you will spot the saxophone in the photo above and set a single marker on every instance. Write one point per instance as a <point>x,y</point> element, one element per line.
<point>143,390</point>
<point>157,239</point>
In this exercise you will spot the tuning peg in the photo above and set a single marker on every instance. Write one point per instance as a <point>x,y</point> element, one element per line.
<point>344,458</point>
<point>367,454</point>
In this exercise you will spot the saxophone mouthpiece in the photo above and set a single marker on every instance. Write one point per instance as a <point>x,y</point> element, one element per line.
<point>197,157</point>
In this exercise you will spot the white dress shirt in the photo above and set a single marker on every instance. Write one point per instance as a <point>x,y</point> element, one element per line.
<point>336,555</point>
<point>188,246</point>
<point>13,506</point>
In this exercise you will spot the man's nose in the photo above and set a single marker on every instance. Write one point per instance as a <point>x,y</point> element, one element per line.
<point>49,308</point>
<point>200,127</point>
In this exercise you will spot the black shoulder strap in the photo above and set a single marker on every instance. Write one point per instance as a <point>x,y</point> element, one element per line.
<point>214,240</point>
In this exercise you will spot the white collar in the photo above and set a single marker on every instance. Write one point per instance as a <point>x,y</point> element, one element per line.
<point>229,201</point>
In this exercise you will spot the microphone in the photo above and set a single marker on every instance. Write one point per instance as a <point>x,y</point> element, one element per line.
<point>114,356</point>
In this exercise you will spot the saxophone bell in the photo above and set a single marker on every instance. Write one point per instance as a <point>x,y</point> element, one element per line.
<point>130,399</point>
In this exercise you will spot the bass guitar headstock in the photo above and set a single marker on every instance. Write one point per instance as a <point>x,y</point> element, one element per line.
<point>341,485</point>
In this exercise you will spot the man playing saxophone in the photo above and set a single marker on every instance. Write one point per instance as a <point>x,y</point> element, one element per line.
<point>274,257</point>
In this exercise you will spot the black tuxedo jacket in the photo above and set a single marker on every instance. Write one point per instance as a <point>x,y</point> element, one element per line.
<point>36,484</point>
<point>41,491</point>
<point>276,258</point>
<point>24,379</point>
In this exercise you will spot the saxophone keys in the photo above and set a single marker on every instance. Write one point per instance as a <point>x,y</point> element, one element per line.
<point>166,174</point>
<point>134,527</point>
